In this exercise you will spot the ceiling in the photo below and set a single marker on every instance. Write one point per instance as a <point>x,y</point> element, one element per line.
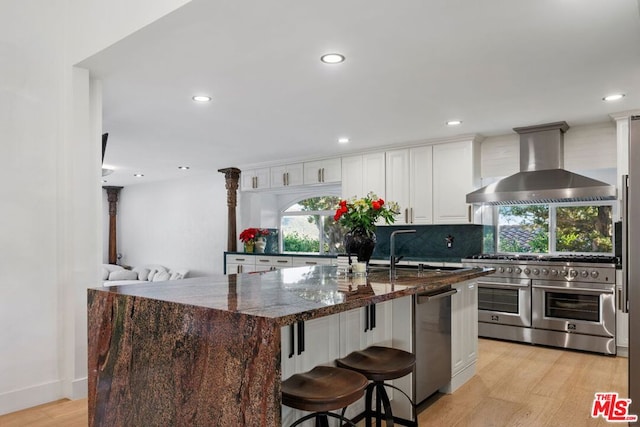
<point>410,67</point>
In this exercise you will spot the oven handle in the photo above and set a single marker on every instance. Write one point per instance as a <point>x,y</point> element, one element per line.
<point>574,290</point>
<point>501,285</point>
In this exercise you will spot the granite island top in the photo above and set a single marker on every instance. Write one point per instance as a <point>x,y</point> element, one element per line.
<point>290,295</point>
<point>207,351</point>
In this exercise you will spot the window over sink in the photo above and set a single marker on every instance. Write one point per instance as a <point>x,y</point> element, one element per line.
<point>577,228</point>
<point>308,226</point>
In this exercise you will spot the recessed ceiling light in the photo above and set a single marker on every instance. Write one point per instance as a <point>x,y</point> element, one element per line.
<point>613,97</point>
<point>332,58</point>
<point>184,168</point>
<point>343,140</point>
<point>454,122</point>
<point>138,175</point>
<point>201,98</point>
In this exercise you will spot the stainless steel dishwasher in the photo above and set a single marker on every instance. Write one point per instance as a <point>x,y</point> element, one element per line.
<point>432,342</point>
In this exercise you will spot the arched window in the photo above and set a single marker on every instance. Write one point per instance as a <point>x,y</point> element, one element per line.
<point>308,226</point>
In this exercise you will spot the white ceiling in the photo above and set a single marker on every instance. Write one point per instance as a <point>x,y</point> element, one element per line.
<point>410,66</point>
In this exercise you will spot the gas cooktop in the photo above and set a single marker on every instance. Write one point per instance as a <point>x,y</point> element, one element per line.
<point>592,259</point>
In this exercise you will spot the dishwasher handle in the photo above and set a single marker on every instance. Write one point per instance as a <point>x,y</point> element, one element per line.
<point>424,298</point>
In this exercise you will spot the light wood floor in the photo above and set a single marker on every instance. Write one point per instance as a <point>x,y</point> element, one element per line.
<point>516,385</point>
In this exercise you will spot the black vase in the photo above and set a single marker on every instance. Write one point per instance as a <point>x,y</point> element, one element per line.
<point>359,243</point>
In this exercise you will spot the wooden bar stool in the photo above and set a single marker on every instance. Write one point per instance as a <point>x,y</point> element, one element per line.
<point>323,389</point>
<point>380,364</point>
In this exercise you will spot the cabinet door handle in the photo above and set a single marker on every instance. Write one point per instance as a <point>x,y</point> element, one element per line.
<point>412,217</point>
<point>322,174</point>
<point>300,337</point>
<point>287,179</point>
<point>239,268</point>
<point>372,312</point>
<point>263,260</point>
<point>469,214</point>
<point>319,175</point>
<point>406,215</point>
<point>282,261</point>
<point>310,262</point>
<point>366,318</point>
<point>284,179</point>
<point>292,341</point>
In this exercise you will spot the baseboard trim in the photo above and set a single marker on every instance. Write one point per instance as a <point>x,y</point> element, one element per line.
<point>460,378</point>
<point>17,400</point>
<point>79,388</point>
<point>622,351</point>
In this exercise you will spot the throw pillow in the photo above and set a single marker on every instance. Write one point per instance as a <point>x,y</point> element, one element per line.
<point>123,275</point>
<point>161,276</point>
<point>143,273</point>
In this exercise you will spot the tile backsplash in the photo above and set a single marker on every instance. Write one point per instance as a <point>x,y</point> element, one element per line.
<point>430,242</point>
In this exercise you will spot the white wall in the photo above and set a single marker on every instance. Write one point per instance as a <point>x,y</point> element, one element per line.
<point>586,148</point>
<point>180,224</point>
<point>51,202</point>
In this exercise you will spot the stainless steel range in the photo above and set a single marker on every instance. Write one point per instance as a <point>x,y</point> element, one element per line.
<point>561,301</point>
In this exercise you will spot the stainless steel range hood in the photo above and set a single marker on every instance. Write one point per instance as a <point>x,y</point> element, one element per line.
<point>542,178</point>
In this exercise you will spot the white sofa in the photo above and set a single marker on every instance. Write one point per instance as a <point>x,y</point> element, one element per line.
<point>116,275</point>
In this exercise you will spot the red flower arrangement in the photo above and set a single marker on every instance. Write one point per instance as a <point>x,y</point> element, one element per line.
<point>362,214</point>
<point>251,234</point>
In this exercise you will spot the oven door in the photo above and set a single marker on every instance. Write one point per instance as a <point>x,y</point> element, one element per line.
<point>574,307</point>
<point>504,301</point>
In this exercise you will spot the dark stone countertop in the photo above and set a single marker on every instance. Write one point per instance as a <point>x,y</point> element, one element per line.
<point>293,294</point>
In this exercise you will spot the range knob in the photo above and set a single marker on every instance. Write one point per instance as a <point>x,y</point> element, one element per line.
<point>554,272</point>
<point>500,269</point>
<point>527,271</point>
<point>509,270</point>
<point>584,273</point>
<point>536,271</point>
<point>595,274</point>
<point>564,273</point>
<point>573,273</point>
<point>518,270</point>
<point>545,272</point>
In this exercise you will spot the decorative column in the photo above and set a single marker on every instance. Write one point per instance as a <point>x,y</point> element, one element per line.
<point>112,197</point>
<point>232,176</point>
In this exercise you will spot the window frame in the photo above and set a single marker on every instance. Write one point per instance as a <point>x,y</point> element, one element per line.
<point>294,199</point>
<point>551,250</point>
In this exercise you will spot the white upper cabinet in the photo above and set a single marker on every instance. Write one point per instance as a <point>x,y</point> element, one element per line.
<point>455,173</point>
<point>323,171</point>
<point>287,175</point>
<point>362,174</point>
<point>409,183</point>
<point>256,179</point>
<point>421,185</point>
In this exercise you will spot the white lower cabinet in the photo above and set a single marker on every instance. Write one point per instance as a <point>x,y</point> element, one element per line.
<point>319,346</point>
<point>361,328</point>
<point>236,264</point>
<point>464,334</point>
<point>272,262</point>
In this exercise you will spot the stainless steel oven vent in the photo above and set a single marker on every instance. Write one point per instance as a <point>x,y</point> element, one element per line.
<point>542,178</point>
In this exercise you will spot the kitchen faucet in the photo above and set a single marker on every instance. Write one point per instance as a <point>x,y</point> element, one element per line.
<point>392,251</point>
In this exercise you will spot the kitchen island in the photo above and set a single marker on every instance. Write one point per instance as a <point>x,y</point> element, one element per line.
<point>207,351</point>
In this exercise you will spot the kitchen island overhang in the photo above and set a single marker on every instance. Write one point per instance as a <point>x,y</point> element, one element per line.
<point>207,351</point>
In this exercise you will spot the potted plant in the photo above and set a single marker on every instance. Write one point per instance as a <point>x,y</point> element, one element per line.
<point>360,217</point>
<point>254,237</point>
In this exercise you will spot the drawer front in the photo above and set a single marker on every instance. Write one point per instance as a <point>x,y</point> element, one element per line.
<point>311,261</point>
<point>273,261</point>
